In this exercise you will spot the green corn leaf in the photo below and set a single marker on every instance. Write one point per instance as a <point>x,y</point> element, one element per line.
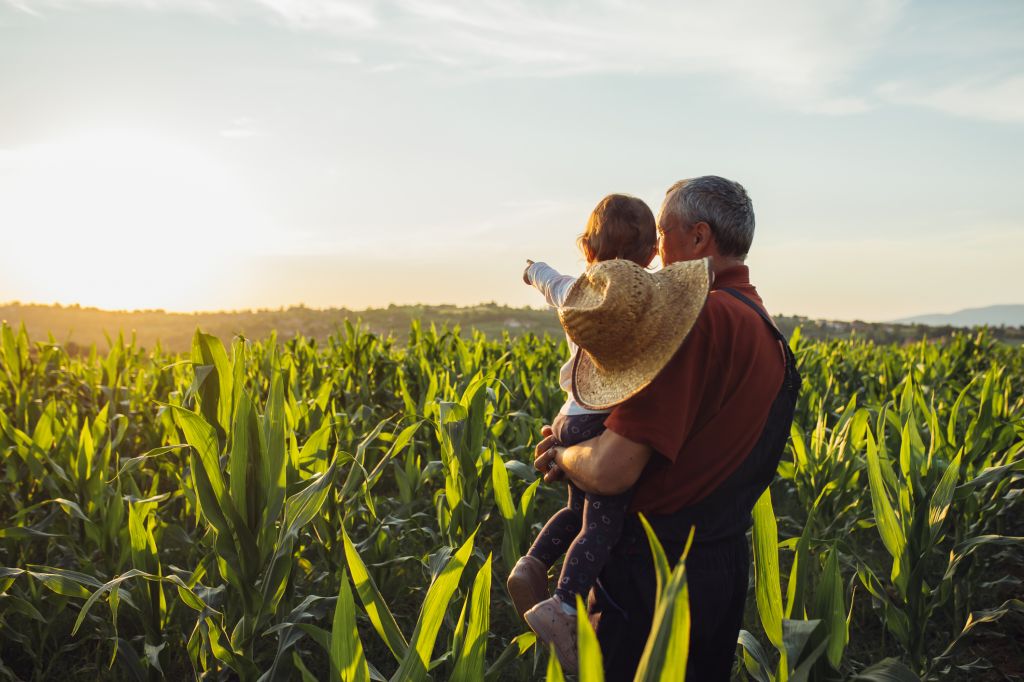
<point>795,636</point>
<point>64,582</point>
<point>766,570</point>
<point>138,538</point>
<point>797,586</point>
<point>42,435</point>
<point>830,606</point>
<point>416,662</point>
<point>216,395</point>
<point>554,671</point>
<point>203,439</point>
<point>23,532</point>
<point>273,477</point>
<point>887,670</point>
<point>661,567</point>
<point>967,547</point>
<point>243,461</point>
<point>12,604</point>
<point>301,507</point>
<point>305,674</point>
<point>668,645</point>
<point>348,662</point>
<point>803,671</point>
<point>399,444</point>
<point>889,527</point>
<point>976,618</point>
<point>502,489</point>
<point>12,357</point>
<point>755,658</point>
<point>99,593</point>
<point>591,665</point>
<point>526,503</point>
<point>469,667</point>
<point>220,647</point>
<point>938,506</point>
<point>376,608</point>
<point>519,645</point>
<point>132,464</point>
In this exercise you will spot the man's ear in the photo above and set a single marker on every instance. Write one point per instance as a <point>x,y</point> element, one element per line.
<point>701,234</point>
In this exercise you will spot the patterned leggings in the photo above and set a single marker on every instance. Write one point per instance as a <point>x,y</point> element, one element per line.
<point>587,527</point>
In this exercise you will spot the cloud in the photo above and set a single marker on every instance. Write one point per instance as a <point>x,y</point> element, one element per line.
<point>315,14</point>
<point>989,99</point>
<point>799,51</point>
<point>813,56</point>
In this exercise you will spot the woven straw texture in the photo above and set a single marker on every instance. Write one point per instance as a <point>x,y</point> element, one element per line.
<point>628,323</point>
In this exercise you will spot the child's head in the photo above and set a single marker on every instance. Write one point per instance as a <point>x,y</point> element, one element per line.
<point>620,226</point>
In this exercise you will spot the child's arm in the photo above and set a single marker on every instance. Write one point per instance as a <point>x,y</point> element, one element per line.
<point>554,285</point>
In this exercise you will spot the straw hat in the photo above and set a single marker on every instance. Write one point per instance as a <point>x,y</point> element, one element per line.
<point>628,323</point>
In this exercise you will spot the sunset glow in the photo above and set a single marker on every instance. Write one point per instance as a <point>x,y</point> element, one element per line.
<point>123,219</point>
<point>233,154</point>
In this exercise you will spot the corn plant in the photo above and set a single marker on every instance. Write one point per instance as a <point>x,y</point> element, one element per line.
<point>304,508</point>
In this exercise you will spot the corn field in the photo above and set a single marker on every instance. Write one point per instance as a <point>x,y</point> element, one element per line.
<point>349,510</point>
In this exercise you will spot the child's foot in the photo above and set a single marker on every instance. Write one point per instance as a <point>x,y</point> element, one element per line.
<point>555,624</point>
<point>527,583</point>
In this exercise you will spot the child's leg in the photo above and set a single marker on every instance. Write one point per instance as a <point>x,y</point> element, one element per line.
<point>570,429</point>
<point>559,531</point>
<point>603,517</point>
<point>565,524</point>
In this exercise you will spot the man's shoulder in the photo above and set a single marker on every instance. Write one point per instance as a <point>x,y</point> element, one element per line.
<point>723,309</point>
<point>731,327</point>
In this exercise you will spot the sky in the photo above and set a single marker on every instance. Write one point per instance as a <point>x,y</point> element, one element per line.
<point>233,154</point>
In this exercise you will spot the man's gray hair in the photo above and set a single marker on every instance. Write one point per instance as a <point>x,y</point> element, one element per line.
<point>722,204</point>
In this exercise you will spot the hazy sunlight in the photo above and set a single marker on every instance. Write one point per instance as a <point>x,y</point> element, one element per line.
<point>125,219</point>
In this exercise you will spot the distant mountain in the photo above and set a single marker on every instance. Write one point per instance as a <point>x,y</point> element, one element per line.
<point>993,316</point>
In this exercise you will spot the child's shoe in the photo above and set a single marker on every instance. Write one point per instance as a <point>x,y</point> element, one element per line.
<point>556,625</point>
<point>527,583</point>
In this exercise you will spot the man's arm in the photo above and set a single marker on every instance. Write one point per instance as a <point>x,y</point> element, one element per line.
<point>606,465</point>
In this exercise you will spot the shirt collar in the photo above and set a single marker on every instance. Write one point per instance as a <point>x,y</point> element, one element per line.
<point>736,276</point>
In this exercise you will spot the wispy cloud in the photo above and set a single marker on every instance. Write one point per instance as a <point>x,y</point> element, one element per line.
<point>318,14</point>
<point>800,51</point>
<point>810,55</point>
<point>990,99</point>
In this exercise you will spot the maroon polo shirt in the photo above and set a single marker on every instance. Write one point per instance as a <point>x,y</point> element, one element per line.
<point>704,411</point>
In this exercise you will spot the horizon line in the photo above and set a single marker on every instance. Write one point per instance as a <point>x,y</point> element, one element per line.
<point>482,304</point>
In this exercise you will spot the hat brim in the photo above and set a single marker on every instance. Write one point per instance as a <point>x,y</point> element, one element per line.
<point>681,293</point>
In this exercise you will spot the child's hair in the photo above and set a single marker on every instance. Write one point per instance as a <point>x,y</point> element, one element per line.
<point>620,226</point>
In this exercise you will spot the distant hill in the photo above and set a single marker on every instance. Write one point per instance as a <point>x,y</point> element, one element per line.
<point>78,328</point>
<point>992,316</point>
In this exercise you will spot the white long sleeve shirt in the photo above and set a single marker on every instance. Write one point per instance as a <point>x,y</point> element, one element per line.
<point>555,287</point>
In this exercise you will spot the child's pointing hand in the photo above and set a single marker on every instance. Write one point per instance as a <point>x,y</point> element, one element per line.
<point>526,277</point>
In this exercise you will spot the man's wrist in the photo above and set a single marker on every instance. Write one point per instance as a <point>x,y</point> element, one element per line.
<point>559,459</point>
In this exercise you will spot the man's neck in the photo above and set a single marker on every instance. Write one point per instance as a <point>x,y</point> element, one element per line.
<point>722,263</point>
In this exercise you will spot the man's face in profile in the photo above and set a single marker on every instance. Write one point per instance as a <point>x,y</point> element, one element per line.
<point>670,240</point>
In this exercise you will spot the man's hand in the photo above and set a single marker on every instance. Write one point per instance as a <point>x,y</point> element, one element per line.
<point>526,277</point>
<point>544,456</point>
<point>608,464</point>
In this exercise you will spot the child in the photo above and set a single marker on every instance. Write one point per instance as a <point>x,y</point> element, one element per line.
<point>589,525</point>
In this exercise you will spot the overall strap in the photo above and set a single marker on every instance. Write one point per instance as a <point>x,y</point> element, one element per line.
<point>764,316</point>
<point>725,513</point>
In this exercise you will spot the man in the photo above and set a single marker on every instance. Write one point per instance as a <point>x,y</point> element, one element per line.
<point>700,443</point>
